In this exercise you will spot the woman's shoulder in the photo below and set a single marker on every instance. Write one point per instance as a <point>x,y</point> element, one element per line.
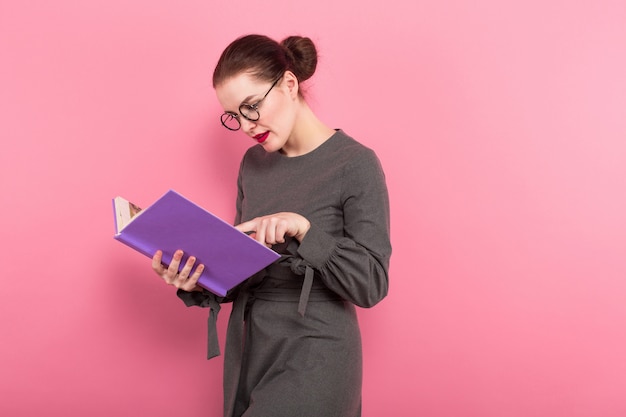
<point>256,156</point>
<point>349,149</point>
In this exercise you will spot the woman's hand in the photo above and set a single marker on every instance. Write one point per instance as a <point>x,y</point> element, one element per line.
<point>273,228</point>
<point>185,279</point>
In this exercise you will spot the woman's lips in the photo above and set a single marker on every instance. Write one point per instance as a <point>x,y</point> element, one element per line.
<point>261,137</point>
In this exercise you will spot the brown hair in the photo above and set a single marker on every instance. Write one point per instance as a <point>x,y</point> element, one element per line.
<point>266,59</point>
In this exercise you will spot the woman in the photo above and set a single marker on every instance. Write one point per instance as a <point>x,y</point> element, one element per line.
<point>317,197</point>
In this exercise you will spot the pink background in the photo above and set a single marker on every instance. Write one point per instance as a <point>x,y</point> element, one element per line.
<point>502,129</point>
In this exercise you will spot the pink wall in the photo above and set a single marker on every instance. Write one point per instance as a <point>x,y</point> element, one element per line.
<point>502,128</point>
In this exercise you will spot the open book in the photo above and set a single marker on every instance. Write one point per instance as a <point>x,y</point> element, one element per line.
<point>174,222</point>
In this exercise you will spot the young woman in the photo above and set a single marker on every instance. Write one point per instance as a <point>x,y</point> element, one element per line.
<point>317,197</point>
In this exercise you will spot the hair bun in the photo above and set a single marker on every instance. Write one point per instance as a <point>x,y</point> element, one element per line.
<point>302,55</point>
<point>265,59</point>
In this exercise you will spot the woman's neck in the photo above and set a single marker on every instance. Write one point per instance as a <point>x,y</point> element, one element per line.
<point>308,133</point>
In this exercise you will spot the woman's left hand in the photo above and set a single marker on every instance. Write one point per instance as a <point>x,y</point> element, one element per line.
<point>273,228</point>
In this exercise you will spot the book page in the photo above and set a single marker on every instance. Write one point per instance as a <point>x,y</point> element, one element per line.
<point>125,211</point>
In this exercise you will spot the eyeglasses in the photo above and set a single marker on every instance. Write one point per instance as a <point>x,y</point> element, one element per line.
<point>249,112</point>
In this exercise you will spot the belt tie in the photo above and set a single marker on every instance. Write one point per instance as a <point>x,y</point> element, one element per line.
<point>208,300</point>
<point>300,267</point>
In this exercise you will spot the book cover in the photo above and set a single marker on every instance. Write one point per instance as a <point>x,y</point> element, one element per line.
<point>173,222</point>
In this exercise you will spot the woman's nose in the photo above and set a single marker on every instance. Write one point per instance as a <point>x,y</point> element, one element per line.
<point>247,125</point>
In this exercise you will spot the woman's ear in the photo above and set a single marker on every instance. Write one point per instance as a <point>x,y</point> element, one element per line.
<point>291,81</point>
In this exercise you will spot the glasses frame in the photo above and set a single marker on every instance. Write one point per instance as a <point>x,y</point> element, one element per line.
<point>247,108</point>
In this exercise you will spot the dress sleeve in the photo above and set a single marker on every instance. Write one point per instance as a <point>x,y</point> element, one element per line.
<point>239,194</point>
<point>356,265</point>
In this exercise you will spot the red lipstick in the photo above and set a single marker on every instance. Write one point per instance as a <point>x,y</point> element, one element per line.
<point>261,137</point>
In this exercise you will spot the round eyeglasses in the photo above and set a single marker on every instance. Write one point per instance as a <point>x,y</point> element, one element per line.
<point>230,120</point>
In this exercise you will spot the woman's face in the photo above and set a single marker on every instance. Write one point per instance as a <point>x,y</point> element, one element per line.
<point>277,109</point>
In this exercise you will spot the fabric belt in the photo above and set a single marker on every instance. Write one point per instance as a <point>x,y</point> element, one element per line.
<point>279,282</point>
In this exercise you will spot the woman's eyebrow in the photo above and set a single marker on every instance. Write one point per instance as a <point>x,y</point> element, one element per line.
<point>244,101</point>
<point>247,99</point>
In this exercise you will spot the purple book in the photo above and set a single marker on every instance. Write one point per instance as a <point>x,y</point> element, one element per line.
<point>173,222</point>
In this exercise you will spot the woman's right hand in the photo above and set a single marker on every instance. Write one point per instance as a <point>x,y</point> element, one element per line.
<point>186,279</point>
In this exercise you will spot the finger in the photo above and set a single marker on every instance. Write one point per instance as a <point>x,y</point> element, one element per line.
<point>192,282</point>
<point>261,232</point>
<point>186,271</point>
<point>157,266</point>
<point>247,227</point>
<point>172,269</point>
<point>269,226</point>
<point>276,230</point>
<point>281,230</point>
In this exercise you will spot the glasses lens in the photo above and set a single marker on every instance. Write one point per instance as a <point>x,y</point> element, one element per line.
<point>230,122</point>
<point>249,112</point>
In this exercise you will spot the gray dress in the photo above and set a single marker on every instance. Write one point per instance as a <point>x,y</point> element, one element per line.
<point>293,345</point>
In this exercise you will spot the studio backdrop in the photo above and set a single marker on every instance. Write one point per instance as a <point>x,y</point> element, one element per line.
<point>501,126</point>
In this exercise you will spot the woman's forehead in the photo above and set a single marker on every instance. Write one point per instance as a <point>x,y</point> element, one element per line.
<point>238,89</point>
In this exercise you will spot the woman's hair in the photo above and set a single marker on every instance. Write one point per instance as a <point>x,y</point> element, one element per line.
<point>266,59</point>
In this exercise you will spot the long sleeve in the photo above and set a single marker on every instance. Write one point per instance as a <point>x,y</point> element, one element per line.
<point>356,265</point>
